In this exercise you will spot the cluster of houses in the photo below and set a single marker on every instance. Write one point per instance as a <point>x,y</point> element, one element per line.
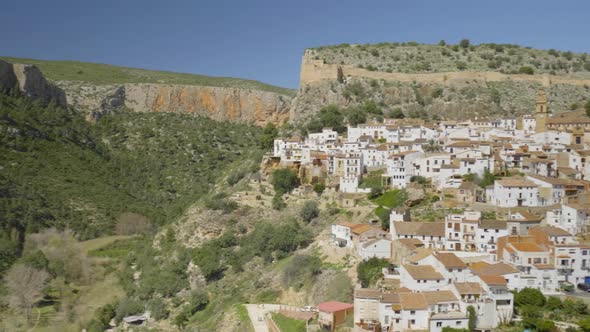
<point>440,269</point>
<point>461,269</point>
<point>550,152</point>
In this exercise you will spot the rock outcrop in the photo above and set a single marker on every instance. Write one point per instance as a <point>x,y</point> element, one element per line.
<point>31,82</point>
<point>219,103</point>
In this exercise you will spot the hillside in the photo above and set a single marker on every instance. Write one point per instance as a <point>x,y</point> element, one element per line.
<point>423,58</point>
<point>98,90</point>
<point>60,171</point>
<point>435,82</point>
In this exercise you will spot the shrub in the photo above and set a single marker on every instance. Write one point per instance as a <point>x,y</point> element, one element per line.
<point>396,113</point>
<point>526,70</point>
<point>128,307</point>
<point>461,65</point>
<point>437,92</point>
<point>442,42</point>
<point>464,43</point>
<point>418,179</point>
<point>319,188</point>
<point>309,211</point>
<point>300,269</point>
<point>278,203</point>
<point>158,309</point>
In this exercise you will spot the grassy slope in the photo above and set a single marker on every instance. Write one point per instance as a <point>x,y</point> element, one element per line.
<point>108,74</point>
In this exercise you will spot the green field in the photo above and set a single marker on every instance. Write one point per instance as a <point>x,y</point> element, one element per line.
<point>108,74</point>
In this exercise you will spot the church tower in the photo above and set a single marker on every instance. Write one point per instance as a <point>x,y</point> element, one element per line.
<point>541,112</point>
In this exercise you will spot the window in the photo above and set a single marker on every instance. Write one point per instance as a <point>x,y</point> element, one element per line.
<point>413,321</point>
<point>458,323</point>
<point>438,324</point>
<point>412,312</point>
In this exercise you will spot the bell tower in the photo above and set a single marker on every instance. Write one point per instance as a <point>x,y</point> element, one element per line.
<point>541,111</point>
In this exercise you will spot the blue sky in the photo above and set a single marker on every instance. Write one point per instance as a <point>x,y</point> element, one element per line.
<point>264,40</point>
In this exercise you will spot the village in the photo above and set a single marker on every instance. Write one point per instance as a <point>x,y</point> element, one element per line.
<point>515,204</point>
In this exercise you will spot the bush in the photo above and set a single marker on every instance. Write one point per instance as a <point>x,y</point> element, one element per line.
<point>309,211</point>
<point>158,309</point>
<point>464,43</point>
<point>418,179</point>
<point>301,269</point>
<point>284,180</point>
<point>526,70</point>
<point>396,113</point>
<point>369,271</point>
<point>198,300</point>
<point>553,303</point>
<point>529,296</point>
<point>461,65</point>
<point>128,307</point>
<point>220,202</point>
<point>278,203</point>
<point>319,188</point>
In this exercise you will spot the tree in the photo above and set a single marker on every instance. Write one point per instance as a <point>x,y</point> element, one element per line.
<point>356,116</point>
<point>464,43</point>
<point>488,179</point>
<point>396,113</point>
<point>472,317</point>
<point>269,133</point>
<point>128,307</point>
<point>370,270</point>
<point>442,42</point>
<point>319,188</point>
<point>284,180</point>
<point>587,108</point>
<point>25,286</point>
<point>529,296</point>
<point>309,211</point>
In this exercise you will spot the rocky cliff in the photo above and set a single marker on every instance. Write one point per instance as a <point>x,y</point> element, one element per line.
<point>31,82</point>
<point>219,103</point>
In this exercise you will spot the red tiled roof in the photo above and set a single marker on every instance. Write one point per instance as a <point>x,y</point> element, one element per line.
<point>333,306</point>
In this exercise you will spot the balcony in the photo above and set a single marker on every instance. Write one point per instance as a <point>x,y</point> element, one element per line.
<point>564,271</point>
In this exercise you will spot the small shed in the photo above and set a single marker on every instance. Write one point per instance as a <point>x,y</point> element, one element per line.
<point>332,314</point>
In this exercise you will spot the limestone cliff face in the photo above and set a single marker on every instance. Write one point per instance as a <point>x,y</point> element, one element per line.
<point>31,83</point>
<point>219,103</point>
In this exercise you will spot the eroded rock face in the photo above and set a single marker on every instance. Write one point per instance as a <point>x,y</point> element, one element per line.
<point>223,104</point>
<point>31,83</point>
<point>7,78</point>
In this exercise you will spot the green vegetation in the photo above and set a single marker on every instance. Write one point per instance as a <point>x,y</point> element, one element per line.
<point>539,312</point>
<point>412,57</point>
<point>287,324</point>
<point>301,269</point>
<point>372,180</point>
<point>369,271</point>
<point>392,199</point>
<point>107,74</point>
<point>284,180</point>
<point>61,172</point>
<point>309,211</point>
